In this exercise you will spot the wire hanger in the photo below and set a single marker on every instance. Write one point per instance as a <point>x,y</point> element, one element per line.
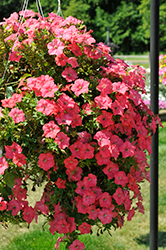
<point>59,11</point>
<point>24,6</point>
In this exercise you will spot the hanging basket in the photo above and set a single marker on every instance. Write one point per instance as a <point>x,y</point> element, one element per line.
<point>75,125</point>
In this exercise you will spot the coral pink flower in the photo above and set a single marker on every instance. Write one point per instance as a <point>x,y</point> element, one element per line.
<point>81,188</point>
<point>17,97</point>
<point>119,196</point>
<point>3,165</point>
<point>63,118</point>
<point>88,198</point>
<point>70,33</point>
<point>45,106</point>
<point>70,74</point>
<point>73,62</point>
<point>59,240</point>
<point>103,101</point>
<point>84,228</point>
<point>127,149</point>
<point>61,60</point>
<point>135,97</point>
<point>62,140</point>
<point>101,160</point>
<point>87,108</point>
<point>51,129</point>
<point>87,151</point>
<point>119,87</point>
<point>76,176</point>
<point>20,193</point>
<point>105,86</point>
<point>49,89</point>
<point>121,178</point>
<point>80,86</point>
<point>8,103</point>
<point>111,169</point>
<point>93,212</point>
<point>75,149</point>
<point>71,221</point>
<point>17,115</point>
<point>105,151</point>
<point>77,245</point>
<point>15,206</point>
<point>76,121</point>
<point>75,49</point>
<point>90,180</point>
<point>34,84</point>
<point>103,138</point>
<point>80,206</point>
<point>105,200</point>
<point>46,161</point>
<point>42,207</point>
<point>71,163</point>
<point>105,215</point>
<point>127,202</point>
<point>117,108</point>
<point>66,102</point>
<point>55,47</point>
<point>140,207</point>
<point>29,214</point>
<point>105,119</point>
<point>60,183</point>
<point>3,204</point>
<point>13,56</point>
<point>13,149</point>
<point>19,159</point>
<point>11,103</point>
<point>62,226</point>
<point>131,214</point>
<point>97,191</point>
<point>84,137</point>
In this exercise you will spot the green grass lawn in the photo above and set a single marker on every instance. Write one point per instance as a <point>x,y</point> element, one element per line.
<point>134,235</point>
<point>136,60</point>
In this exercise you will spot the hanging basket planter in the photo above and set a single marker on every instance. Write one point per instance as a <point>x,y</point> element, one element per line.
<point>74,124</point>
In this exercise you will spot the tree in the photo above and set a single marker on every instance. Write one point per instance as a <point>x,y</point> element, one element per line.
<point>9,6</point>
<point>124,28</point>
<point>144,9</point>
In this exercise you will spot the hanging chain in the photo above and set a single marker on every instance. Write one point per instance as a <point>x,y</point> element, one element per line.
<point>39,8</point>
<point>24,6</point>
<point>21,18</point>
<point>59,11</point>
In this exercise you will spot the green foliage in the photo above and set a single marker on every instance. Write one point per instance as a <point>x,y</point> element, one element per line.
<point>78,9</point>
<point>144,26</point>
<point>123,28</point>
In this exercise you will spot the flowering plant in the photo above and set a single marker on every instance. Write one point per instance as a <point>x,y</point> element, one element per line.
<point>74,124</point>
<point>162,74</point>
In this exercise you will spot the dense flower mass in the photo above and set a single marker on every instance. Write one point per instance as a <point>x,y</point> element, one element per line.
<point>74,124</point>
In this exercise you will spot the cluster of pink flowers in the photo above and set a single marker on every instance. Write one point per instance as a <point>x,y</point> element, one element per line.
<point>162,104</point>
<point>80,127</point>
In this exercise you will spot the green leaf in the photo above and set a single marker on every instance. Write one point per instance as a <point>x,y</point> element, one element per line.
<point>53,177</point>
<point>9,179</point>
